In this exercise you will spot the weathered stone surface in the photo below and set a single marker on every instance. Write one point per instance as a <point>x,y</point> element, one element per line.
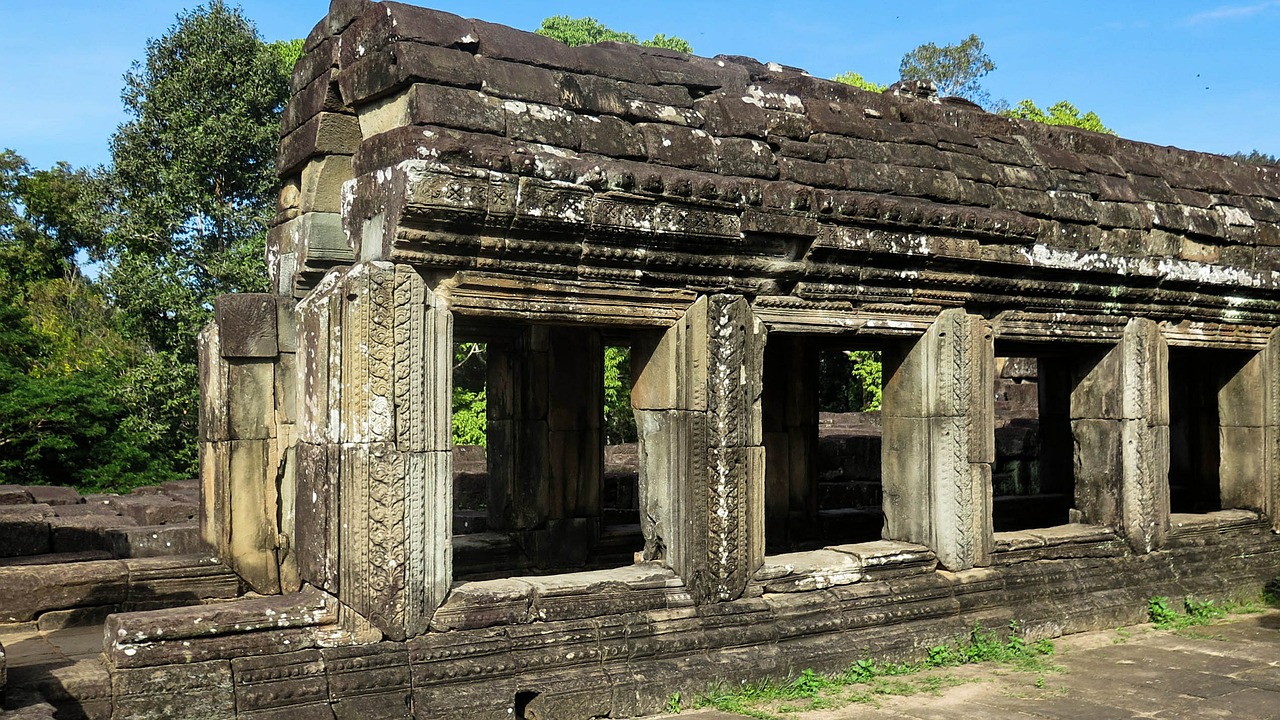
<point>14,495</point>
<point>30,590</point>
<point>194,634</point>
<point>247,325</point>
<point>24,529</point>
<point>938,441</point>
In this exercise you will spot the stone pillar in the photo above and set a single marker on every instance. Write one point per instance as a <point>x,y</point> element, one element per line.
<point>789,410</point>
<point>1120,421</point>
<point>697,404</point>
<point>939,441</point>
<point>545,396</point>
<point>1243,478</point>
<point>375,491</point>
<point>1270,382</point>
<point>246,435</point>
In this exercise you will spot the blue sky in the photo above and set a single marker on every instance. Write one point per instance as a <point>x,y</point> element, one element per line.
<point>1203,76</point>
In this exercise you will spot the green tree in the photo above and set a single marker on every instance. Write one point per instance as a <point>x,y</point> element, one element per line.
<point>186,202</point>
<point>1257,158</point>
<point>40,223</point>
<point>955,69</point>
<point>62,417</point>
<point>470,402</point>
<point>1062,113</point>
<point>588,30</point>
<point>619,420</point>
<point>856,80</point>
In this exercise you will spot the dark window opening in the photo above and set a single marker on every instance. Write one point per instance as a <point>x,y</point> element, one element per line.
<point>1033,479</point>
<point>820,412</point>
<point>1215,430</point>
<point>545,461</point>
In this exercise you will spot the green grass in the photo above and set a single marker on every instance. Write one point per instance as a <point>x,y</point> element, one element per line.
<point>869,680</point>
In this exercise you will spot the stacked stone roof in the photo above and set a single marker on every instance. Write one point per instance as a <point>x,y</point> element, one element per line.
<point>770,182</point>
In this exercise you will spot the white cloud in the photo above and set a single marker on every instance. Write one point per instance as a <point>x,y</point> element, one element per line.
<point>1231,12</point>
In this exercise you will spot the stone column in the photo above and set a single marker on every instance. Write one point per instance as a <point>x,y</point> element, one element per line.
<point>546,444</point>
<point>375,497</point>
<point>1270,382</point>
<point>697,404</point>
<point>246,436</point>
<point>1243,478</point>
<point>790,416</point>
<point>1120,421</point>
<point>939,441</point>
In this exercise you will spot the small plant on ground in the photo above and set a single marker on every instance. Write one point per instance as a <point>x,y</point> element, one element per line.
<point>1163,614</point>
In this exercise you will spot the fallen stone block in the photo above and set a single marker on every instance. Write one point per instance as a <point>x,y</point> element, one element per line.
<point>28,591</point>
<point>14,495</point>
<point>149,541</point>
<point>54,495</point>
<point>56,558</point>
<point>24,529</point>
<point>79,533</point>
<point>155,509</point>
<point>161,582</point>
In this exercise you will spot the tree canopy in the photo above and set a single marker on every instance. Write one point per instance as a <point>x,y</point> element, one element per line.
<point>856,80</point>
<point>1061,113</point>
<point>588,30</point>
<point>955,69</point>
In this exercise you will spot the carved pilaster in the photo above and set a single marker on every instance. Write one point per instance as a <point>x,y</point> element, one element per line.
<point>1270,381</point>
<point>939,441</point>
<point>375,500</point>
<point>697,403</point>
<point>1144,506</point>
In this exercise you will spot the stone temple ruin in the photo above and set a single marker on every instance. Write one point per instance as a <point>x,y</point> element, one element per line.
<point>450,180</point>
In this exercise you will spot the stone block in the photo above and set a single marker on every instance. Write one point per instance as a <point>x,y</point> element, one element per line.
<point>28,591</point>
<point>1145,492</point>
<point>368,681</point>
<point>155,509</point>
<point>484,604</point>
<point>14,495</point>
<point>1098,462</point>
<point>246,325</point>
<point>1241,399</point>
<point>290,682</point>
<point>251,514</point>
<point>251,397</point>
<point>376,25</point>
<point>24,530</point>
<point>608,136</point>
<point>181,538</point>
<point>321,186</point>
<point>1242,476</point>
<point>325,134</point>
<point>214,422</point>
<point>400,64</point>
<point>183,691</point>
<point>679,146</point>
<point>316,515</point>
<point>54,495</point>
<point>423,104</point>
<point>86,532</point>
<point>804,571</point>
<point>1099,389</point>
<point>253,626</point>
<point>319,95</point>
<point>727,115</point>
